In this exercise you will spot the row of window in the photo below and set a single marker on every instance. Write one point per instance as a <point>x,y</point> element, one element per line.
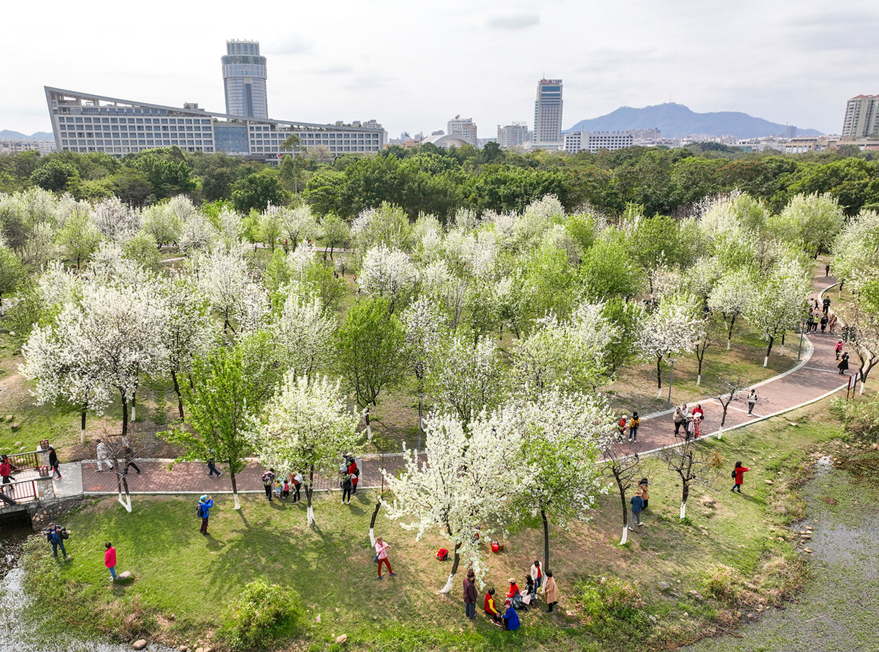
<point>145,142</point>
<point>138,128</point>
<point>150,121</point>
<point>129,150</point>
<point>361,148</point>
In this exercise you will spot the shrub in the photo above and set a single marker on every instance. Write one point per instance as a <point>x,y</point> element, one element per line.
<point>859,416</point>
<point>262,614</point>
<point>609,597</point>
<point>722,583</point>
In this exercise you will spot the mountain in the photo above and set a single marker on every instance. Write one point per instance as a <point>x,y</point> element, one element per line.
<point>16,135</point>
<point>676,121</point>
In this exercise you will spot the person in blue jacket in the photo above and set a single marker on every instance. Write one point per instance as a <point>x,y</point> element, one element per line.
<point>511,618</point>
<point>204,507</point>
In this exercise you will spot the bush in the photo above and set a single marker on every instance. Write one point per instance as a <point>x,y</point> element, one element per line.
<point>609,597</point>
<point>722,583</point>
<point>263,614</point>
<point>859,416</point>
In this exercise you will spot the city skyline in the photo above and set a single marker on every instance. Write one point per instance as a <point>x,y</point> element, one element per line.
<point>396,62</point>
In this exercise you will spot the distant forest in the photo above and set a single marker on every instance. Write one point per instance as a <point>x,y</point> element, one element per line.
<point>436,181</point>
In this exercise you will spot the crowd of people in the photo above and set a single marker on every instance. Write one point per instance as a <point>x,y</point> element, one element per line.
<point>515,599</point>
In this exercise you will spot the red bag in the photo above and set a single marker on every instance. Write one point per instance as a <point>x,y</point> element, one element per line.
<point>442,554</point>
<point>496,546</point>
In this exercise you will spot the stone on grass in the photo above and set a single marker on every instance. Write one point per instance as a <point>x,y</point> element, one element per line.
<point>768,482</point>
<point>664,586</point>
<point>139,644</point>
<point>124,577</point>
<point>570,614</point>
<point>707,500</point>
<point>341,638</point>
<point>317,620</point>
<point>696,595</point>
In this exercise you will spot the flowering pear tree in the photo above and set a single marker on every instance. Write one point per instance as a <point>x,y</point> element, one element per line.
<point>388,273</point>
<point>564,434</point>
<point>465,376</point>
<point>778,302</point>
<point>224,280</point>
<point>306,427</point>
<point>298,223</point>
<point>622,463</point>
<point>188,331</point>
<point>304,329</point>
<point>730,297</point>
<point>670,330</point>
<point>856,250</point>
<point>466,484</point>
<point>692,462</point>
<point>115,220</point>
<point>423,324</point>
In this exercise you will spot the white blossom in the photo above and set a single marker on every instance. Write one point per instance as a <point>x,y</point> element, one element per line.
<point>387,273</point>
<point>304,329</point>
<point>471,392</point>
<point>115,220</point>
<point>670,331</point>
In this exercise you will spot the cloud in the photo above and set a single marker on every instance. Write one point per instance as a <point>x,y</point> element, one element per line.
<point>289,46</point>
<point>335,69</point>
<point>514,21</point>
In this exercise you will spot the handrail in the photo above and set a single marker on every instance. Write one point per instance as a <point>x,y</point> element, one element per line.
<point>20,490</point>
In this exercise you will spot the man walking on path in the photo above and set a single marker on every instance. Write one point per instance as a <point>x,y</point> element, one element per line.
<point>381,556</point>
<point>204,510</point>
<point>839,346</point>
<point>103,454</point>
<point>110,560</point>
<point>53,463</point>
<point>826,304</point>
<point>129,460</point>
<point>470,595</point>
<point>843,364</point>
<point>212,468</point>
<point>752,401</point>
<point>268,479</point>
<point>56,538</point>
<point>679,419</point>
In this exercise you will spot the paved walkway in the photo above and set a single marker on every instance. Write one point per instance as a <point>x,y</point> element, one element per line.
<point>814,377</point>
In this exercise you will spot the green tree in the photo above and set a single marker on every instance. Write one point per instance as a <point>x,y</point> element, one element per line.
<point>229,387</point>
<point>608,269</point>
<point>12,273</point>
<point>368,346</point>
<point>79,236</point>
<point>55,176</point>
<point>257,191</point>
<point>324,191</point>
<point>167,175</point>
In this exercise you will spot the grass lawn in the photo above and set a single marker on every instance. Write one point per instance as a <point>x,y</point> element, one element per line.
<point>732,553</point>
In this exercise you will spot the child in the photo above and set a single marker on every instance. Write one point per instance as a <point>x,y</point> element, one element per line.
<point>278,489</point>
<point>286,493</point>
<point>738,473</point>
<point>110,560</point>
<point>621,428</point>
<point>634,423</point>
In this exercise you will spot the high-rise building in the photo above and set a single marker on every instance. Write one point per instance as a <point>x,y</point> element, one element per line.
<point>861,117</point>
<point>463,128</point>
<point>513,135</point>
<point>244,76</point>
<point>548,114</point>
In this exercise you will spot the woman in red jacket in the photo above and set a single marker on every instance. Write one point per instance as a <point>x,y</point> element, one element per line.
<point>738,474</point>
<point>354,472</point>
<point>490,609</point>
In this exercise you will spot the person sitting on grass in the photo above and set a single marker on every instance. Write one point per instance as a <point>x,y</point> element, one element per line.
<point>490,610</point>
<point>511,618</point>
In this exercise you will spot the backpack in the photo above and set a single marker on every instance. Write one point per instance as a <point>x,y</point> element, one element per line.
<point>733,474</point>
<point>199,511</point>
<point>442,554</point>
<point>357,472</point>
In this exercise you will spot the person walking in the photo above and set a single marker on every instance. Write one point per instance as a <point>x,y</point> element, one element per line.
<point>824,324</point>
<point>6,469</point>
<point>297,485</point>
<point>637,507</point>
<point>644,491</point>
<point>843,364</point>
<point>551,592</point>
<point>204,511</point>
<point>679,418</point>
<point>621,428</point>
<point>752,400</point>
<point>738,473</point>
<point>831,325</point>
<point>634,424</point>
<point>110,560</point>
<point>55,536</point>
<point>537,575</point>
<point>839,346</point>
<point>826,304</point>
<point>470,595</point>
<point>268,479</point>
<point>381,556</point>
<point>346,484</point>
<point>212,468</point>
<point>53,463</point>
<point>354,472</point>
<point>827,270</point>
<point>490,609</point>
<point>129,460</point>
<point>103,455</point>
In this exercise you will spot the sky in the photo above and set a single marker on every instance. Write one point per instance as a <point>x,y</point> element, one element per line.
<point>414,65</point>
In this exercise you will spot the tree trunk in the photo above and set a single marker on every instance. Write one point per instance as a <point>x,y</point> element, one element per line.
<point>124,415</point>
<point>179,395</point>
<point>234,485</point>
<point>545,541</point>
<point>625,513</point>
<point>309,490</point>
<point>127,503</point>
<point>448,587</point>
<point>768,350</point>
<point>685,493</point>
<point>701,358</point>
<point>82,425</point>
<point>732,322</point>
<point>683,511</point>
<point>378,506</point>
<point>659,373</point>
<point>134,407</point>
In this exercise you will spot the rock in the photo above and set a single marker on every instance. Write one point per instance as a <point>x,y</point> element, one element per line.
<point>139,644</point>
<point>652,619</point>
<point>780,538</point>
<point>125,576</point>
<point>16,426</point>
<point>317,620</point>
<point>341,639</point>
<point>664,586</point>
<point>750,616</point>
<point>569,614</point>
<point>18,443</point>
<point>808,550</point>
<point>686,614</point>
<point>8,417</point>
<point>708,501</point>
<point>768,482</point>
<point>183,648</point>
<point>696,595</point>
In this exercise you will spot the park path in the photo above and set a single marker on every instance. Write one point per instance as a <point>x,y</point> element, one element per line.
<point>814,378</point>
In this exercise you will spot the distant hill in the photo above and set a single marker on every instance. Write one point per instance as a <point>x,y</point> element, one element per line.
<point>676,121</point>
<point>17,135</point>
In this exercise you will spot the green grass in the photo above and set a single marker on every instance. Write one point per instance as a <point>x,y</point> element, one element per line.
<point>182,573</point>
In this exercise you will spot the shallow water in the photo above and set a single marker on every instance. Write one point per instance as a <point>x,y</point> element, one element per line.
<point>838,607</point>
